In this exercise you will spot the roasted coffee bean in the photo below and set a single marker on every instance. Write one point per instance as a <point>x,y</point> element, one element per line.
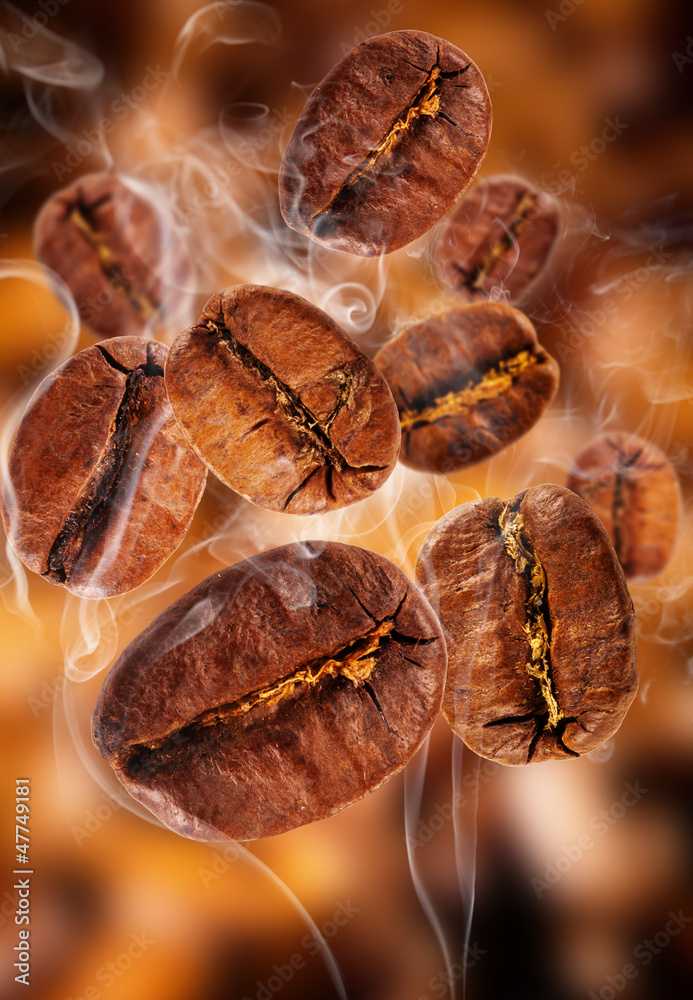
<point>539,625</point>
<point>633,489</point>
<point>386,144</point>
<point>281,404</point>
<point>124,263</point>
<point>498,240</point>
<point>274,693</point>
<point>467,383</point>
<point>101,484</point>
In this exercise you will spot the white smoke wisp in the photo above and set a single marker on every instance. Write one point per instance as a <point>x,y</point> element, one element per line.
<point>227,22</point>
<point>59,346</point>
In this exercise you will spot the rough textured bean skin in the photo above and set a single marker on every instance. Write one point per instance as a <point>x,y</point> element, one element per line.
<point>281,404</point>
<point>467,383</point>
<point>633,489</point>
<point>498,240</point>
<point>101,484</point>
<point>274,693</point>
<point>386,144</point>
<point>123,261</point>
<point>539,625</point>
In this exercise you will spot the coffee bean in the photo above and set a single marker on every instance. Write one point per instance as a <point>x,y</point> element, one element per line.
<point>281,404</point>
<point>124,263</point>
<point>633,489</point>
<point>274,693</point>
<point>498,240</point>
<point>101,485</point>
<point>386,144</point>
<point>539,625</point>
<point>467,383</point>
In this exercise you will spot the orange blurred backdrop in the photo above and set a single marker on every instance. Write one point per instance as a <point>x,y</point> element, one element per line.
<point>459,877</point>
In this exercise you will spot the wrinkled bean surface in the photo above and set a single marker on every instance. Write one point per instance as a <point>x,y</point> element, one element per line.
<point>281,404</point>
<point>386,144</point>
<point>123,261</point>
<point>498,240</point>
<point>633,489</point>
<point>467,383</point>
<point>539,625</point>
<point>101,484</point>
<point>274,693</point>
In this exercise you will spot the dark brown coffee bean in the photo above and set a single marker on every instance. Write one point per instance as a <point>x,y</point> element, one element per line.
<point>274,693</point>
<point>124,263</point>
<point>539,625</point>
<point>101,485</point>
<point>633,489</point>
<point>467,383</point>
<point>498,240</point>
<point>386,144</point>
<point>281,404</point>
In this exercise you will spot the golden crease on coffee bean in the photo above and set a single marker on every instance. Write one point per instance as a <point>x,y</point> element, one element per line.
<point>426,102</point>
<point>474,279</point>
<point>274,693</point>
<point>467,383</point>
<point>356,666</point>
<point>386,144</point>
<point>110,265</point>
<point>118,251</point>
<point>633,488</point>
<point>536,626</point>
<point>498,240</point>
<point>492,383</point>
<point>539,625</point>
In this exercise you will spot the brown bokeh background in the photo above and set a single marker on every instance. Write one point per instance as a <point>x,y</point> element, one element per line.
<point>577,867</point>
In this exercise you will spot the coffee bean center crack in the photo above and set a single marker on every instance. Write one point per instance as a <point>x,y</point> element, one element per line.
<point>537,628</point>
<point>355,662</point>
<point>424,104</point>
<point>82,216</point>
<point>475,277</point>
<point>314,432</point>
<point>492,384</point>
<point>93,504</point>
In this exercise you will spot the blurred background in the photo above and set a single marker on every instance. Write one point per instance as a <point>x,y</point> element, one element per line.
<point>459,877</point>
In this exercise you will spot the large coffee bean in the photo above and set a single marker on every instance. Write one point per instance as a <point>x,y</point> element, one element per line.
<point>101,484</point>
<point>281,404</point>
<point>539,625</point>
<point>274,693</point>
<point>498,240</point>
<point>386,144</point>
<point>123,261</point>
<point>467,383</point>
<point>633,489</point>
